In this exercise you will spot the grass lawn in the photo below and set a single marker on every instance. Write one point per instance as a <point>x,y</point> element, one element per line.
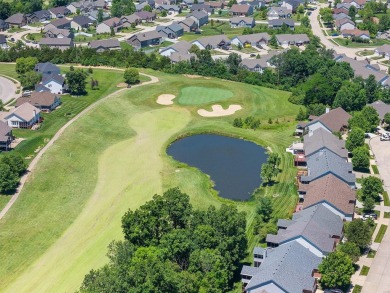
<point>16,30</point>
<point>357,289</point>
<point>194,95</point>
<point>8,70</point>
<point>82,39</point>
<point>33,37</point>
<point>366,53</point>
<point>222,27</point>
<point>381,233</point>
<point>371,253</point>
<point>113,159</point>
<point>364,271</point>
<point>248,50</point>
<point>375,169</point>
<point>348,43</point>
<point>386,215</point>
<point>386,200</point>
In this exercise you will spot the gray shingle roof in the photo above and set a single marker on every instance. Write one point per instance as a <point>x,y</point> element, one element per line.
<point>296,38</point>
<point>47,68</point>
<point>289,266</point>
<point>213,40</point>
<point>4,131</point>
<point>55,42</point>
<point>325,162</point>
<point>381,108</point>
<point>17,18</point>
<point>106,44</point>
<point>280,22</point>
<point>3,40</point>
<point>316,224</point>
<point>254,38</point>
<point>249,271</point>
<point>321,139</point>
<point>334,120</point>
<point>237,19</point>
<point>82,20</point>
<point>198,14</point>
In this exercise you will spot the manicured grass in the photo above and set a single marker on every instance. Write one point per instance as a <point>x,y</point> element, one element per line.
<point>366,53</point>
<point>357,289</point>
<point>113,159</point>
<point>386,215</point>
<point>364,271</point>
<point>8,70</point>
<point>218,28</point>
<point>83,39</point>
<point>348,43</point>
<point>375,169</point>
<point>34,37</point>
<point>381,233</point>
<point>386,200</point>
<point>194,95</point>
<point>371,253</point>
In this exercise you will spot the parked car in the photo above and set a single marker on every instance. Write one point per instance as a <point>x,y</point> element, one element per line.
<point>374,216</point>
<point>252,55</point>
<point>384,137</point>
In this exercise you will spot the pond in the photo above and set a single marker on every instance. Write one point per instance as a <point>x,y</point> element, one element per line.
<point>233,164</point>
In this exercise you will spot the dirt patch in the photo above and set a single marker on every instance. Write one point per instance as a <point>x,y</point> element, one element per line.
<point>122,84</point>
<point>165,99</point>
<point>192,76</point>
<point>218,111</point>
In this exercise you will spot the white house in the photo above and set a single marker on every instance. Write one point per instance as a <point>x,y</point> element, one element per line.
<point>55,83</point>
<point>24,116</point>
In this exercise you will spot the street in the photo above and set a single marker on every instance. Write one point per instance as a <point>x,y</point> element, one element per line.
<point>7,89</point>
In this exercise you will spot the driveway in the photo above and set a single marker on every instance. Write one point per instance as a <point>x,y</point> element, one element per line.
<point>378,278</point>
<point>7,89</point>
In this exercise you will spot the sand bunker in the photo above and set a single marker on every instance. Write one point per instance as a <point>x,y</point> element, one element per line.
<point>165,99</point>
<point>192,76</point>
<point>218,111</point>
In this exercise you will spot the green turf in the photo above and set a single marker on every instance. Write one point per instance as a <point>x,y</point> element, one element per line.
<point>381,233</point>
<point>375,169</point>
<point>357,289</point>
<point>194,95</point>
<point>113,159</point>
<point>386,200</point>
<point>364,271</point>
<point>371,253</point>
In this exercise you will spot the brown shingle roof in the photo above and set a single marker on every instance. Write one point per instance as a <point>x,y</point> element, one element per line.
<point>332,190</point>
<point>237,8</point>
<point>38,99</point>
<point>25,111</point>
<point>335,119</point>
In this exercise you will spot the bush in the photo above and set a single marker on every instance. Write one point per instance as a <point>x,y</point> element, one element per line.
<point>131,76</point>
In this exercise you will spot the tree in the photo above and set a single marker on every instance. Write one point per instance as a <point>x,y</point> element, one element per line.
<point>336,270</point>
<point>265,208</point>
<point>237,122</point>
<point>268,172</point>
<point>15,161</point>
<point>368,204</point>
<point>5,10</point>
<point>372,88</point>
<point>301,9</point>
<point>387,118</point>
<point>76,81</point>
<point>372,187</point>
<point>301,116</point>
<point>131,75</point>
<point>350,97</point>
<point>233,61</point>
<point>352,12</point>
<point>327,18</point>
<point>273,41</point>
<point>305,22</point>
<point>274,160</point>
<point>358,232</point>
<point>112,32</point>
<point>361,158</point>
<point>30,79</point>
<point>164,13</point>
<point>350,249</point>
<point>9,180</point>
<point>100,16</point>
<point>231,3</point>
<point>148,8</point>
<point>358,120</point>
<point>371,116</point>
<point>25,64</point>
<point>355,139</point>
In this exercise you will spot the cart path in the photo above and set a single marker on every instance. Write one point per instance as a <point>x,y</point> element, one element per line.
<point>36,159</point>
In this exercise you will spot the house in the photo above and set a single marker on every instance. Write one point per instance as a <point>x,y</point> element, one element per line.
<point>356,33</point>
<point>59,12</point>
<point>279,23</point>
<point>3,42</point>
<point>3,25</point>
<point>58,33</point>
<point>326,162</point>
<point>340,16</point>
<point>256,4</point>
<point>61,23</point>
<point>110,24</point>
<point>241,10</point>
<point>292,4</point>
<point>44,101</point>
<point>105,45</point>
<point>344,24</point>
<point>189,24</point>
<point>80,22</point>
<point>146,16</point>
<point>170,9</point>
<point>180,57</point>
<point>342,10</point>
<point>255,65</point>
<point>38,16</point>
<point>254,40</point>
<point>381,108</point>
<point>172,31</point>
<point>212,42</point>
<point>55,83</point>
<point>202,7</point>
<point>94,15</point>
<point>317,228</point>
<point>59,43</point>
<point>334,120</point>
<point>141,40</point>
<point>237,21</point>
<point>201,18</point>
<point>286,40</point>
<point>24,116</point>
<point>343,5</point>
<point>86,6</point>
<point>279,12</point>
<point>320,140</point>
<point>332,193</point>
<point>217,5</point>
<point>141,6</point>
<point>182,47</point>
<point>189,3</point>
<point>128,21</point>
<point>151,3</point>
<point>16,20</point>
<point>6,136</point>
<point>359,4</point>
<point>383,51</point>
<point>291,267</point>
<point>47,68</point>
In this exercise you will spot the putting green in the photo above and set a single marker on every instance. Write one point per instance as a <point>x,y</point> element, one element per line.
<point>195,95</point>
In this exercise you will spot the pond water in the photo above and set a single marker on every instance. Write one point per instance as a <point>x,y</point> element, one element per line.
<point>233,164</point>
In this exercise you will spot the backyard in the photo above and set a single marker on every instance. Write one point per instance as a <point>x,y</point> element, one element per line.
<point>113,159</point>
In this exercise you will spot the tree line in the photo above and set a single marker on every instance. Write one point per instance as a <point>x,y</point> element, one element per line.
<point>170,247</point>
<point>12,167</point>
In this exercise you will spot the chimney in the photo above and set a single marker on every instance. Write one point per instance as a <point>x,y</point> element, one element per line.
<point>327,110</point>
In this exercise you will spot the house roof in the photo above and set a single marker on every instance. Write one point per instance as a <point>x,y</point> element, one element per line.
<point>55,42</point>
<point>144,36</point>
<point>343,5</point>
<point>280,22</point>
<point>360,2</point>
<point>4,131</point>
<point>249,271</point>
<point>60,22</point>
<point>340,22</point>
<point>334,120</point>
<point>107,44</point>
<point>297,38</point>
<point>57,31</point>
<point>340,10</point>
<point>180,47</point>
<point>279,10</point>
<point>247,20</point>
<point>340,16</point>
<point>17,18</point>
<point>41,88</point>
<point>112,22</point>
<point>289,266</point>
<point>47,68</point>
<point>187,22</point>
<point>197,14</point>
<point>355,32</point>
<point>3,39</point>
<point>216,4</point>
<point>213,40</point>
<point>131,18</point>
<point>24,111</point>
<point>326,162</point>
<point>332,190</point>
<point>168,7</point>
<point>146,14</point>
<point>381,108</point>
<point>254,38</point>
<point>177,56</point>
<point>238,8</point>
<point>174,27</point>
<point>202,6</point>
<point>320,139</point>
<point>59,10</point>
<point>317,224</point>
<point>383,49</point>
<point>55,77</point>
<point>38,99</point>
<point>82,20</point>
<point>42,14</point>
